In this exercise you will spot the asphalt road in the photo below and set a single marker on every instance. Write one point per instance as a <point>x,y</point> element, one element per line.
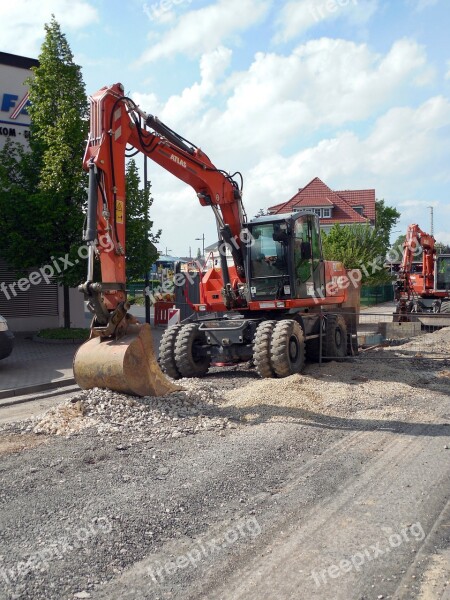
<point>342,510</point>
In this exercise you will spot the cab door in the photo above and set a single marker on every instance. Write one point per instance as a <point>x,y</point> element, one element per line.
<point>308,263</point>
<point>318,267</point>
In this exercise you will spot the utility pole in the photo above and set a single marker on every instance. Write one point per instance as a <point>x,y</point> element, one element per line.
<point>203,243</point>
<point>147,280</point>
<point>431,220</point>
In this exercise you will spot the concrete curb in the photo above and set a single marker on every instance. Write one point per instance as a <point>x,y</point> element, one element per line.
<point>12,396</point>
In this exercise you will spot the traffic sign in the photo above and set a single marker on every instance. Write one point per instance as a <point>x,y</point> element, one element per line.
<point>173,316</point>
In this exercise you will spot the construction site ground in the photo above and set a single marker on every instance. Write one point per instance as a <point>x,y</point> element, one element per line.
<point>35,366</point>
<point>330,485</point>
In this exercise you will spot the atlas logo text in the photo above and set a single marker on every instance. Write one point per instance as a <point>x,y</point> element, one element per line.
<point>178,160</point>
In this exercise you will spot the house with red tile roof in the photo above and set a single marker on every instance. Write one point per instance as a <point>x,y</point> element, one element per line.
<point>344,207</point>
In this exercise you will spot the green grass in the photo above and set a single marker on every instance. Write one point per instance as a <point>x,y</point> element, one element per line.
<point>64,334</point>
<point>138,300</point>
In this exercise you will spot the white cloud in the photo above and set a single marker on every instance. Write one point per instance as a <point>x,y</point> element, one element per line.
<point>23,22</point>
<point>180,108</point>
<point>321,83</point>
<point>404,147</point>
<point>201,31</point>
<point>263,120</point>
<point>297,16</point>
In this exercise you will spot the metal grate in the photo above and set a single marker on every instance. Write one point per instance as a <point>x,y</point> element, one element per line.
<point>39,300</point>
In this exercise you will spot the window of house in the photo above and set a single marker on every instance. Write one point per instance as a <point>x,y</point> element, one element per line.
<point>358,209</point>
<point>323,213</point>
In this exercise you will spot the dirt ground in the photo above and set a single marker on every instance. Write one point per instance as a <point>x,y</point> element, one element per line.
<point>327,462</point>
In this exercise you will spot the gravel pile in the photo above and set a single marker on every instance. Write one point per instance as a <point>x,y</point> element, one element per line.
<point>182,413</point>
<point>438,341</point>
<point>376,384</point>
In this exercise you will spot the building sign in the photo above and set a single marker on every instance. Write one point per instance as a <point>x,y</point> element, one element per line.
<point>14,118</point>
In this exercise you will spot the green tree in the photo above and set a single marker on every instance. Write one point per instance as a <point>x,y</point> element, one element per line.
<point>442,248</point>
<point>141,252</point>
<point>262,212</point>
<point>43,196</point>
<point>386,217</point>
<point>20,209</point>
<point>358,247</point>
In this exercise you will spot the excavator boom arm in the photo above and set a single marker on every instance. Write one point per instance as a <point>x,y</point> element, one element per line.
<point>116,125</point>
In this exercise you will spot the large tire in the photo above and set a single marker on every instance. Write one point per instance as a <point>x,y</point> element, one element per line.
<point>187,360</point>
<point>445,307</point>
<point>287,351</point>
<point>335,347</point>
<point>261,349</point>
<point>167,352</point>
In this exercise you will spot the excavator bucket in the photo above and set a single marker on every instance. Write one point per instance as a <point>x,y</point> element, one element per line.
<point>126,365</point>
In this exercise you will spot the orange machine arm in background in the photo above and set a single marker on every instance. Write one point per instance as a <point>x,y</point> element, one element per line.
<point>416,237</point>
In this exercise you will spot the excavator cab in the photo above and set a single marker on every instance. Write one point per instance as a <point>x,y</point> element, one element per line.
<point>285,260</point>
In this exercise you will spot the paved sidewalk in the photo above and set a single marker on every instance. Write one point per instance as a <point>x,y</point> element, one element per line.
<point>34,366</point>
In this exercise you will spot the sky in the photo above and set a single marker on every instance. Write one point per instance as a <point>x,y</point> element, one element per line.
<point>356,92</point>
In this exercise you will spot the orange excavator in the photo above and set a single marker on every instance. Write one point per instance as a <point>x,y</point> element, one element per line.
<point>277,303</point>
<point>429,290</point>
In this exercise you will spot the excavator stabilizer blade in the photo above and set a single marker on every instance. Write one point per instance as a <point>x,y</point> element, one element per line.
<point>127,365</point>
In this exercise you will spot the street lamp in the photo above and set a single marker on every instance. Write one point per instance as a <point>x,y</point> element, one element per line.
<point>203,243</point>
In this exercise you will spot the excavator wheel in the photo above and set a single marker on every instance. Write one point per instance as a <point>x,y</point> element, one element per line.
<point>190,361</point>
<point>167,352</point>
<point>261,349</point>
<point>287,349</point>
<point>127,365</point>
<point>335,343</point>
